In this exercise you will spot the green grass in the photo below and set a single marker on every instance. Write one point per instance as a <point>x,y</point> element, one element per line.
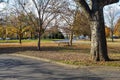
<point>92,63</point>
<point>9,41</point>
<point>15,41</point>
<point>24,41</point>
<point>115,62</point>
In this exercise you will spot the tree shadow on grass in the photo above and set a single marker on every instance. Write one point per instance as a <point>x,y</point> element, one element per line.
<point>10,50</point>
<point>114,59</point>
<point>66,49</point>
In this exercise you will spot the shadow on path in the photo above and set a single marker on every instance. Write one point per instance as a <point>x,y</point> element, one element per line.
<point>24,69</point>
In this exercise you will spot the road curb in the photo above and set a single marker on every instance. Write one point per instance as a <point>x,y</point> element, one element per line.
<point>46,60</point>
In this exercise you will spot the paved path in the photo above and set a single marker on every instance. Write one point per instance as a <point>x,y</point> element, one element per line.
<point>18,68</point>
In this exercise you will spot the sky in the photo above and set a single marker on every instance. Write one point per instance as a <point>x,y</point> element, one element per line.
<point>111,14</point>
<point>113,9</point>
<point>2,5</point>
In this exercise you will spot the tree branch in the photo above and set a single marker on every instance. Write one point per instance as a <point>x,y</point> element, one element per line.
<point>107,2</point>
<point>85,6</point>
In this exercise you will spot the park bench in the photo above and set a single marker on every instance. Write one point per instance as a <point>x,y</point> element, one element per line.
<point>65,41</point>
<point>59,42</point>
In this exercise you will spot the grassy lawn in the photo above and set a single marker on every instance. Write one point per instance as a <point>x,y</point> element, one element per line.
<point>25,41</point>
<point>78,54</point>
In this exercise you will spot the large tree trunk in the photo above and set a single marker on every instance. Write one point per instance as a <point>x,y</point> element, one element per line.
<point>98,39</point>
<point>94,41</point>
<point>102,37</point>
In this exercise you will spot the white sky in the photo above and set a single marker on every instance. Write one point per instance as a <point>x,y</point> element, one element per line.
<point>2,5</point>
<point>115,7</point>
<point>114,10</point>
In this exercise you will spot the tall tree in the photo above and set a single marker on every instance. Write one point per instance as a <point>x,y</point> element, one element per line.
<point>98,42</point>
<point>20,24</point>
<point>74,19</point>
<point>46,11</point>
<point>82,25</point>
<point>69,16</point>
<point>111,14</point>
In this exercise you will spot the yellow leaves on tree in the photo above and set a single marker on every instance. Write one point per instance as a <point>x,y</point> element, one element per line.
<point>107,31</point>
<point>82,24</point>
<point>117,28</point>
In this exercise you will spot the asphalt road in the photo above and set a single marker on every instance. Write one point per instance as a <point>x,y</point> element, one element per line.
<point>18,68</point>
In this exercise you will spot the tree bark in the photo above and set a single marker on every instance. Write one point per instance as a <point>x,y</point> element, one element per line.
<point>94,41</point>
<point>39,40</point>
<point>31,35</point>
<point>39,37</point>
<point>20,38</point>
<point>102,37</point>
<point>95,32</point>
<point>111,35</point>
<point>71,38</point>
<point>98,39</point>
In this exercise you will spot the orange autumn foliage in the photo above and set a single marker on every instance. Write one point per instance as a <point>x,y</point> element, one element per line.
<point>107,30</point>
<point>117,28</point>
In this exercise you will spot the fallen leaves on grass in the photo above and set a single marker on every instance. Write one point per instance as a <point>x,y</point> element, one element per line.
<point>78,54</point>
